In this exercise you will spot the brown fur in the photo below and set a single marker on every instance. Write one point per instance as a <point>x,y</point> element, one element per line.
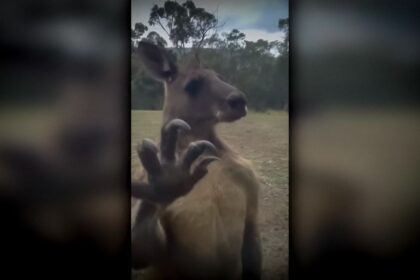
<point>210,233</point>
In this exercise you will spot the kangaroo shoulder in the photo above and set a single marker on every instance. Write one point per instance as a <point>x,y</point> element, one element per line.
<point>241,171</point>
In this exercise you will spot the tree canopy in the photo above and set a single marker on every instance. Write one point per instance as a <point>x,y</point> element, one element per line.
<point>183,22</point>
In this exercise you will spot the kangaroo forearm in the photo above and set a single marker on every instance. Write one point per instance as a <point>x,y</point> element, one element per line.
<point>142,190</point>
<point>148,236</point>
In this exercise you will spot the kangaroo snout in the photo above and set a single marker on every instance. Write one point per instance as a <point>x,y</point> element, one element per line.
<point>237,103</point>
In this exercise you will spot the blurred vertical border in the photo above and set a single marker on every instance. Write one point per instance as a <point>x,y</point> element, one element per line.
<point>355,153</point>
<point>64,139</point>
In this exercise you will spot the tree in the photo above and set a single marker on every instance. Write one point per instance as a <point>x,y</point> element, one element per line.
<point>283,61</point>
<point>202,22</point>
<point>213,41</point>
<point>261,47</point>
<point>155,38</point>
<point>183,23</point>
<point>139,30</point>
<point>284,25</point>
<point>137,33</point>
<point>234,39</point>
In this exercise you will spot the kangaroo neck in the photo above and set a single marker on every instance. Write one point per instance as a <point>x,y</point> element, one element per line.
<point>200,130</point>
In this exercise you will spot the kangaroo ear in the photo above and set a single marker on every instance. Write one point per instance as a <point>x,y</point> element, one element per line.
<point>157,61</point>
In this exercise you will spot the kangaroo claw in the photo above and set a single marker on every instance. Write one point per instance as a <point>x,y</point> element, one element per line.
<point>195,149</point>
<point>169,138</point>
<point>148,156</point>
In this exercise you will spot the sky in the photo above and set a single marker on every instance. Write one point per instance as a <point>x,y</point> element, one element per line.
<point>258,19</point>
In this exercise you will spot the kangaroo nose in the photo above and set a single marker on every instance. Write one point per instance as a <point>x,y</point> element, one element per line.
<point>237,101</point>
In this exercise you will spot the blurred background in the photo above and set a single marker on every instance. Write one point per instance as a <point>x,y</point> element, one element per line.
<point>64,165</point>
<point>355,137</point>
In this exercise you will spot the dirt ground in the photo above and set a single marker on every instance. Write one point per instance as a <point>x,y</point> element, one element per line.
<point>263,139</point>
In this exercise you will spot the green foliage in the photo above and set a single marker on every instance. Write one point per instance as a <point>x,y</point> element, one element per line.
<point>138,31</point>
<point>183,22</point>
<point>284,25</point>
<point>156,39</point>
<point>234,40</point>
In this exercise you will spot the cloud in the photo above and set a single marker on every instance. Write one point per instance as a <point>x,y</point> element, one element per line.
<point>255,34</point>
<point>247,14</point>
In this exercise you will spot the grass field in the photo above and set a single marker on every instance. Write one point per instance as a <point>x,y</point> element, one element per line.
<point>263,139</point>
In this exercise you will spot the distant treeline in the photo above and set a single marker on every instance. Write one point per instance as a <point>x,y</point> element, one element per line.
<point>260,69</point>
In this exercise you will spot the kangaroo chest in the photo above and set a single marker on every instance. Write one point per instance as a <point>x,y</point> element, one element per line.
<point>207,224</point>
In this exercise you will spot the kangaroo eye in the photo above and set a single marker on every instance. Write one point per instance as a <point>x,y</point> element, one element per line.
<point>194,86</point>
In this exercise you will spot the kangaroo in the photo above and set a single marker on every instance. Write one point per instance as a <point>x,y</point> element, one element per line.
<point>196,209</point>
